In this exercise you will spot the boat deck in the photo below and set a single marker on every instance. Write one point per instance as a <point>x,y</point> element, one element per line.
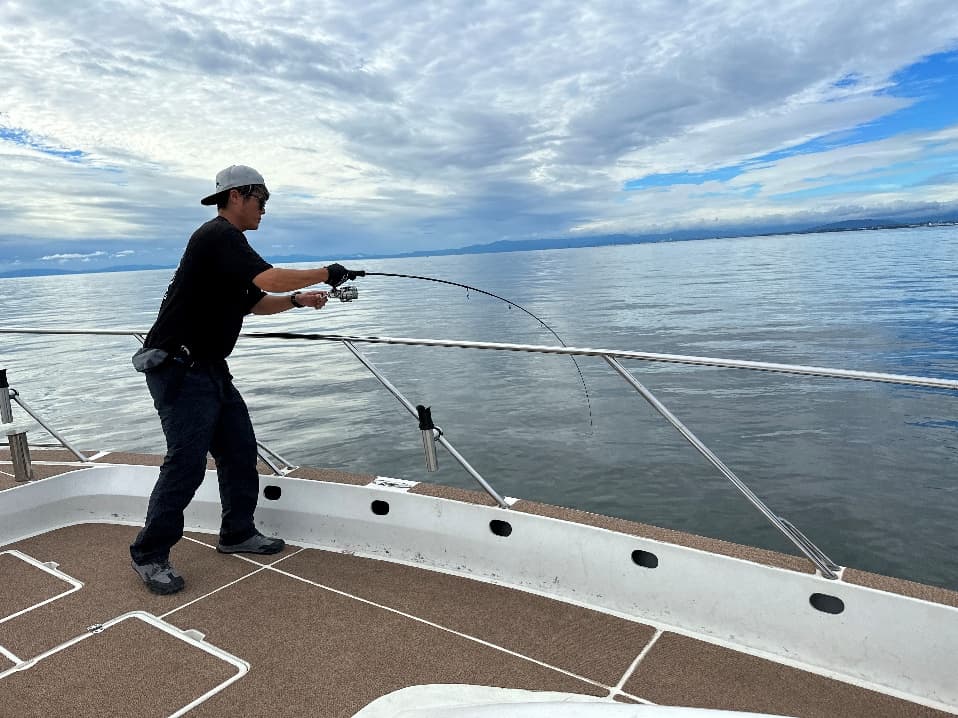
<point>325,633</point>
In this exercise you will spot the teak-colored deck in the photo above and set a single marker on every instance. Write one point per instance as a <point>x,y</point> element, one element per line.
<point>326,633</point>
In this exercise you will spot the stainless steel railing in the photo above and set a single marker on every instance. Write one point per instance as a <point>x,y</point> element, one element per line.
<point>795,369</point>
<point>825,565</point>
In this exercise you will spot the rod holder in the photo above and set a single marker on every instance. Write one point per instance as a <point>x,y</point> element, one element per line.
<point>20,455</point>
<point>428,430</point>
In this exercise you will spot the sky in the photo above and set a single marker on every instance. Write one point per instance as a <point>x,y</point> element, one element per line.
<point>392,126</point>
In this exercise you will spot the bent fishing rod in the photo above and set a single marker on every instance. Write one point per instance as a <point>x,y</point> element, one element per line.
<point>349,293</point>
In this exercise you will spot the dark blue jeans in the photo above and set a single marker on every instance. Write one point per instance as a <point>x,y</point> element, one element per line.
<point>201,411</point>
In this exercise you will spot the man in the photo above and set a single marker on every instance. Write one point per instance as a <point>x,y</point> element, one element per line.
<point>219,280</point>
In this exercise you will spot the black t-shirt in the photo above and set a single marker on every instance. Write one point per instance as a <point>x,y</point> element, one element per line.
<point>210,293</point>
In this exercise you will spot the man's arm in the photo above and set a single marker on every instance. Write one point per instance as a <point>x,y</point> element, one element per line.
<point>278,279</point>
<point>276,303</point>
<point>284,280</point>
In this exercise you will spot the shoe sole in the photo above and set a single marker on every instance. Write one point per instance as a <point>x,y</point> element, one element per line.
<point>260,552</point>
<point>164,590</point>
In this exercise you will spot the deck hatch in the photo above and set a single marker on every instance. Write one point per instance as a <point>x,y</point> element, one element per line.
<point>28,584</point>
<point>149,683</point>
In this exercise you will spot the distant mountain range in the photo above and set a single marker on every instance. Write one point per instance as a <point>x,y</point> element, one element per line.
<point>522,245</point>
<point>50,271</point>
<point>856,224</point>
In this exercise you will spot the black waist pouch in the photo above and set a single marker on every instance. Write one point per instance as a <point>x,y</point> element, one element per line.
<point>146,359</point>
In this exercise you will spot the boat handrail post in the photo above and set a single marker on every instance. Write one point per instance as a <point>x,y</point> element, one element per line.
<point>15,395</point>
<point>799,536</point>
<point>267,455</point>
<point>825,565</point>
<point>16,435</point>
<point>441,439</point>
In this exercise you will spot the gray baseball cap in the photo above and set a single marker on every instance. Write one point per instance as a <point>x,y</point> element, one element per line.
<point>234,176</point>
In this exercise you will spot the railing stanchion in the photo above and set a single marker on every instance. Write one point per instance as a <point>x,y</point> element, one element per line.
<point>441,439</point>
<point>63,442</point>
<point>825,565</point>
<point>267,455</point>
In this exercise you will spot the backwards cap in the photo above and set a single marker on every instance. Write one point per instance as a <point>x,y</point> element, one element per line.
<point>232,177</point>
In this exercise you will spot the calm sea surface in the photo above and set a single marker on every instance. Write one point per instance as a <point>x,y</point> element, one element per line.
<point>869,472</point>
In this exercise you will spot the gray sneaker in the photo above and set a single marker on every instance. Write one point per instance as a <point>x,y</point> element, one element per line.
<point>159,577</point>
<point>255,544</point>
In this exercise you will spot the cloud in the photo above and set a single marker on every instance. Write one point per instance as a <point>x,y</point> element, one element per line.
<point>75,255</point>
<point>398,126</point>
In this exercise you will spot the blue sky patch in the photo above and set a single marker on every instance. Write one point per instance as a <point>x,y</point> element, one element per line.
<point>722,174</point>
<point>847,81</point>
<point>932,84</point>
<point>25,139</point>
<point>917,173</point>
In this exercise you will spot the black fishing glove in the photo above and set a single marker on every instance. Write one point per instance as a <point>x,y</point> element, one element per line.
<point>339,274</point>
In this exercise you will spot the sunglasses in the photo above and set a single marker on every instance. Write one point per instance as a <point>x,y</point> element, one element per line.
<point>256,193</point>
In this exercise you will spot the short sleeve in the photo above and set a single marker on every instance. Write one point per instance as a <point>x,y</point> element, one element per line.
<point>242,263</point>
<point>253,295</point>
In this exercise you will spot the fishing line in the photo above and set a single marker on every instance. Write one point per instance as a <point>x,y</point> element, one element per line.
<point>469,288</point>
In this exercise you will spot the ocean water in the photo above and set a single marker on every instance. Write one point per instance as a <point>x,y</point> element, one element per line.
<point>869,472</point>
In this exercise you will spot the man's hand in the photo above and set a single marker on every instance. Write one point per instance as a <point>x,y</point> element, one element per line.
<point>339,274</point>
<point>316,300</point>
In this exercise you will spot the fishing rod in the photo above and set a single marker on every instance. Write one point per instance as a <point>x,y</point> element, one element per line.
<point>349,293</point>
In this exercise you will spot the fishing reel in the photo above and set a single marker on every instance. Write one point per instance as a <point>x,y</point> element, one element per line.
<point>345,294</point>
